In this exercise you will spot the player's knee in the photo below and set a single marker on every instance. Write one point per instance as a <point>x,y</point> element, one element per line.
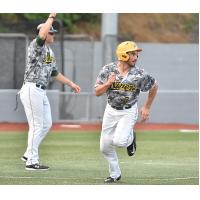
<point>38,126</point>
<point>104,149</point>
<point>119,142</point>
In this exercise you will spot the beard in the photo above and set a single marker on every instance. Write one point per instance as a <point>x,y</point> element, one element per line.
<point>131,65</point>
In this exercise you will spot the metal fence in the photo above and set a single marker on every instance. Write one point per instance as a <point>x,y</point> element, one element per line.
<point>83,107</point>
<point>13,59</point>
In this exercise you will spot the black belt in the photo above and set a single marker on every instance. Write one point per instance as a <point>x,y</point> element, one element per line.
<point>40,86</point>
<point>121,108</point>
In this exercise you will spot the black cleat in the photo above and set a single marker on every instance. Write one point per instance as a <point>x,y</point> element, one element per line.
<point>131,149</point>
<point>112,180</point>
<point>23,158</point>
<point>36,167</point>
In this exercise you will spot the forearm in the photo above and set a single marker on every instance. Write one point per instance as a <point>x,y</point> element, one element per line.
<point>47,25</point>
<point>151,96</point>
<point>101,89</point>
<point>62,79</point>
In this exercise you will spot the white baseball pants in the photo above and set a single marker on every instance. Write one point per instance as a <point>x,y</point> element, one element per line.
<point>38,113</point>
<point>117,131</point>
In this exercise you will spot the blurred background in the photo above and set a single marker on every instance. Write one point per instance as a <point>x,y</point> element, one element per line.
<point>87,41</point>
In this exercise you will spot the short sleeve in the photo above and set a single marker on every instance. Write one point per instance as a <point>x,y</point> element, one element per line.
<point>55,71</point>
<point>102,77</point>
<point>34,51</point>
<point>146,82</point>
<point>39,41</point>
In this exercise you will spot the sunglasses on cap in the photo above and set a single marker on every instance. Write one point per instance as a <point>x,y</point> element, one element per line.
<point>50,33</point>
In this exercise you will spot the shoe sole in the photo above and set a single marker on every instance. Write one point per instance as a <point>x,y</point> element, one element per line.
<point>24,160</point>
<point>112,181</point>
<point>32,169</point>
<point>132,154</point>
<point>119,178</point>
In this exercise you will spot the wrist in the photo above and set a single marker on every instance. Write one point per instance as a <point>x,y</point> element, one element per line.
<point>147,106</point>
<point>108,84</point>
<point>70,84</point>
<point>52,17</point>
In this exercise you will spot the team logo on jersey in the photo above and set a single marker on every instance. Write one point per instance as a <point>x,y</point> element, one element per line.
<point>123,87</point>
<point>48,59</point>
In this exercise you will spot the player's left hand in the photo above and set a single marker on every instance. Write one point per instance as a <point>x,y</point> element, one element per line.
<point>144,112</point>
<point>75,88</point>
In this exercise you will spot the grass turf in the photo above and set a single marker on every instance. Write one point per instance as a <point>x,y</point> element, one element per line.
<point>162,158</point>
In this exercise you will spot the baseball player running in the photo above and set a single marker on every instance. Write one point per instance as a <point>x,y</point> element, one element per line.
<point>41,66</point>
<point>122,81</point>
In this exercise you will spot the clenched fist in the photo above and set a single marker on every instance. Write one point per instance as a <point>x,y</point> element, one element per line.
<point>111,78</point>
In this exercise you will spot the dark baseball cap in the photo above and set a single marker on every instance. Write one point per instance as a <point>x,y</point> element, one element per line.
<point>51,30</point>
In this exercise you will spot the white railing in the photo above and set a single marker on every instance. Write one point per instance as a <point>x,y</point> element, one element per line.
<point>178,106</point>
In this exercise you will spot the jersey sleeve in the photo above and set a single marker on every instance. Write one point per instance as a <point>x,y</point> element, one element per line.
<point>55,71</point>
<point>146,82</point>
<point>102,77</point>
<point>39,41</point>
<point>34,51</point>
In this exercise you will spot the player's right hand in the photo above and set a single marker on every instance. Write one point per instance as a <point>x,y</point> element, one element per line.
<point>75,88</point>
<point>111,78</point>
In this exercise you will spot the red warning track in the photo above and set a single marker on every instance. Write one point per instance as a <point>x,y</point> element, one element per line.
<point>97,127</point>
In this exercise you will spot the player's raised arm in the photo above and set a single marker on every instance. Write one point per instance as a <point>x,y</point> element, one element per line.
<point>46,26</point>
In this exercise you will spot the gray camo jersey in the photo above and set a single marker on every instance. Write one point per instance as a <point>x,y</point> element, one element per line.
<point>40,64</point>
<point>125,90</point>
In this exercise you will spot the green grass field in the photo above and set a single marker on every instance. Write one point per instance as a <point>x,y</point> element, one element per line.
<point>162,158</point>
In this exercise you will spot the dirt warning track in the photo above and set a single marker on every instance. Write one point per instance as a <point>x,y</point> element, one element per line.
<point>97,127</point>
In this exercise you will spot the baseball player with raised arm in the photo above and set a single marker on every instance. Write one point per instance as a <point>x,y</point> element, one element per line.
<point>41,66</point>
<point>122,81</point>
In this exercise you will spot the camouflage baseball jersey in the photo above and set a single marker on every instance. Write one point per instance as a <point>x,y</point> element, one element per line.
<point>41,64</point>
<point>125,90</point>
